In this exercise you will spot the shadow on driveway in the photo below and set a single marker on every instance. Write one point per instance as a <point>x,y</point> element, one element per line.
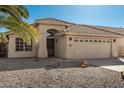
<point>8,64</point>
<point>107,62</point>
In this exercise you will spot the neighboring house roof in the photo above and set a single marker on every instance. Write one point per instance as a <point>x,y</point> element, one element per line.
<point>112,29</point>
<point>90,30</point>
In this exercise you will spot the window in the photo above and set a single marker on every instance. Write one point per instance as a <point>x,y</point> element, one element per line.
<point>86,40</point>
<point>75,40</point>
<point>95,40</point>
<point>19,44</point>
<point>28,47</point>
<point>108,41</point>
<point>22,46</point>
<point>91,40</point>
<point>81,40</point>
<point>103,40</point>
<point>99,40</point>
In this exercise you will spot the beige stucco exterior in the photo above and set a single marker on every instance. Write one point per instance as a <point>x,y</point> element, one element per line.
<point>11,49</point>
<point>43,29</point>
<point>109,46</point>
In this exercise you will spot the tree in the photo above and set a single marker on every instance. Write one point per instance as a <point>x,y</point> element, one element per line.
<point>13,17</point>
<point>2,38</point>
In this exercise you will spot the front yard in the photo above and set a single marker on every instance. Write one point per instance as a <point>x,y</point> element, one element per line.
<point>31,73</point>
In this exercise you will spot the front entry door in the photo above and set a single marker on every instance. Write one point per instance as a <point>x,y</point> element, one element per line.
<point>50,47</point>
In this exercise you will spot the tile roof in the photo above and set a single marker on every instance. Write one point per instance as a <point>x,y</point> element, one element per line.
<point>54,20</point>
<point>86,29</point>
<point>90,30</point>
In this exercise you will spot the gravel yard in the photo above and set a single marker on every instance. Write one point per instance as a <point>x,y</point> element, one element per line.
<point>55,73</point>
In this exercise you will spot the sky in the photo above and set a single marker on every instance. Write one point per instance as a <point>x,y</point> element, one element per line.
<point>94,15</point>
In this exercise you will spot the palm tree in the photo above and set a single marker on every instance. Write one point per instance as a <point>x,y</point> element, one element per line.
<point>3,38</point>
<point>13,17</point>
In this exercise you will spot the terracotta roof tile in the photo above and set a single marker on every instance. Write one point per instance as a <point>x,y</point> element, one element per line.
<point>86,29</point>
<point>54,20</point>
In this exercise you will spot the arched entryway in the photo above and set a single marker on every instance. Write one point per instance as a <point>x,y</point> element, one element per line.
<point>51,42</point>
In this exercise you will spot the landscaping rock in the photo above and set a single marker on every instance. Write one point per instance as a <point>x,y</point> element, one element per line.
<point>28,73</point>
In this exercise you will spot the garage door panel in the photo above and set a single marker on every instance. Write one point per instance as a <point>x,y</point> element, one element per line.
<point>92,50</point>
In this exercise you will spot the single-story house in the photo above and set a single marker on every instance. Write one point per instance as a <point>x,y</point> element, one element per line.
<point>69,40</point>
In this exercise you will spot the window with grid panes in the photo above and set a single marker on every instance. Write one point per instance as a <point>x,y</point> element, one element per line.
<point>22,46</point>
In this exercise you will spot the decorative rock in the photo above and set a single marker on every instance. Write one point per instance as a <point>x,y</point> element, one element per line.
<point>29,73</point>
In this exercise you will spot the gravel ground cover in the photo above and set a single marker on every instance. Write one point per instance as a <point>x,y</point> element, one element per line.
<point>55,73</point>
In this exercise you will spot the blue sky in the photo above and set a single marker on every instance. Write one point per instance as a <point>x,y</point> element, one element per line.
<point>95,15</point>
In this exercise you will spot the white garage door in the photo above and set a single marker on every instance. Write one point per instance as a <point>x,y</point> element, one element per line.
<point>92,49</point>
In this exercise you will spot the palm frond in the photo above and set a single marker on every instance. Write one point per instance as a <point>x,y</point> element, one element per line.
<point>23,29</point>
<point>8,10</point>
<point>3,38</point>
<point>11,17</point>
<point>18,12</point>
<point>23,11</point>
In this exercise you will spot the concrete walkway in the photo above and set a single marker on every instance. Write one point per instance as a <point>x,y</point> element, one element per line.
<point>116,64</point>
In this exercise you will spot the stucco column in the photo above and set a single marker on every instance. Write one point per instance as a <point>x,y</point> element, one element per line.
<point>42,51</point>
<point>114,48</point>
<point>11,46</point>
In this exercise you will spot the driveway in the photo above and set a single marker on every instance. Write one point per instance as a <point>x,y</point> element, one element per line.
<point>116,64</point>
<point>6,64</point>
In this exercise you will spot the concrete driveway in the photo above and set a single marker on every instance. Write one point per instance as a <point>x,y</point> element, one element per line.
<point>116,64</point>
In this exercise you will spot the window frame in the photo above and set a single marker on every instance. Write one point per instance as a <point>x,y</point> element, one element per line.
<point>20,45</point>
